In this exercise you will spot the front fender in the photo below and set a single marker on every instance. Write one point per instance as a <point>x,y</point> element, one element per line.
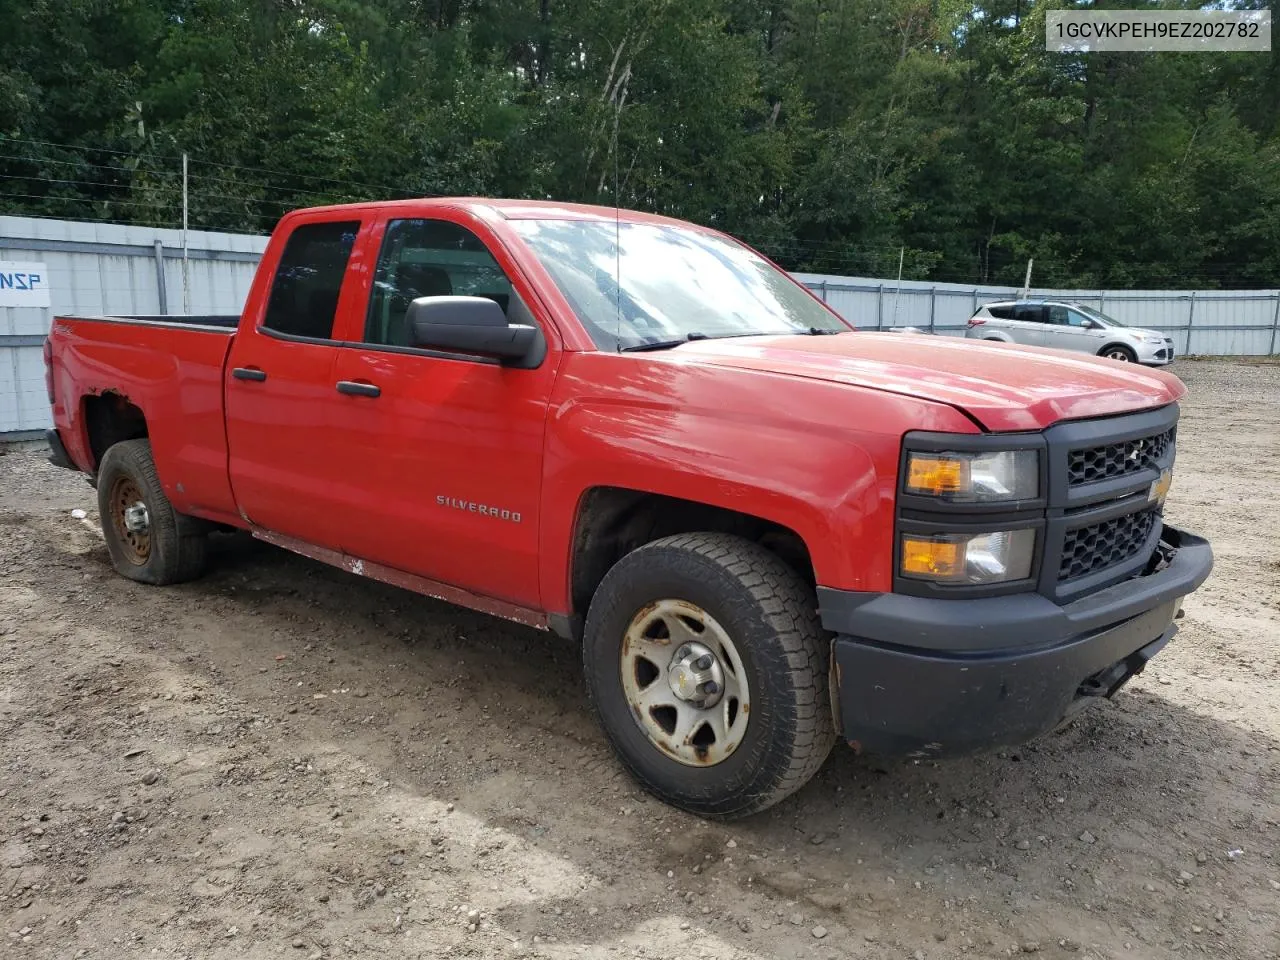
<point>816,457</point>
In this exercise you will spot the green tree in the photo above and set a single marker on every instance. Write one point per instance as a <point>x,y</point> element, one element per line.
<point>836,135</point>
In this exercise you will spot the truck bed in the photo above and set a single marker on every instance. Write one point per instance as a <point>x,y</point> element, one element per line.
<point>171,367</point>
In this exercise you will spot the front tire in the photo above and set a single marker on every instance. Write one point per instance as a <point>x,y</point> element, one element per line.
<point>148,540</point>
<point>1119,353</point>
<point>707,665</point>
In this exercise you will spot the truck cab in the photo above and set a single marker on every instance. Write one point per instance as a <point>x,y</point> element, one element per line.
<point>766,531</point>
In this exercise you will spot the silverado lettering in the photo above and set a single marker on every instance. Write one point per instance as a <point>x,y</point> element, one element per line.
<point>764,531</point>
<point>472,507</point>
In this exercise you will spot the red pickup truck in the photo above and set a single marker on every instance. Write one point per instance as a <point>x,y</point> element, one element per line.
<point>765,530</point>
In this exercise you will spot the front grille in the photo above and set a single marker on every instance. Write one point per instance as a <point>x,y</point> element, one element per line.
<point>1101,545</point>
<point>1096,520</point>
<point>1117,459</point>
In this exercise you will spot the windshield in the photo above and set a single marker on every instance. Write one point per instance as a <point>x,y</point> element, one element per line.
<point>1098,315</point>
<point>676,282</point>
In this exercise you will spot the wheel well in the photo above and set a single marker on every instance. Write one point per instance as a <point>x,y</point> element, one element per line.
<point>613,521</point>
<point>110,418</point>
<point>1123,346</point>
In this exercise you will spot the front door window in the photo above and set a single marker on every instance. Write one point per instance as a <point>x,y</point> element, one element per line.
<point>428,258</point>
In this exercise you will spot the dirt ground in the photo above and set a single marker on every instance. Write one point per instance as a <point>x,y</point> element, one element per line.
<point>283,759</point>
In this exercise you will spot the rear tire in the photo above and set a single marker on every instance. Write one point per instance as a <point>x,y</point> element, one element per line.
<point>1119,353</point>
<point>758,621</point>
<point>148,540</point>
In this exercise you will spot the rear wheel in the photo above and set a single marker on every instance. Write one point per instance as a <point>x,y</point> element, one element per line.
<point>707,667</point>
<point>1119,352</point>
<point>148,540</point>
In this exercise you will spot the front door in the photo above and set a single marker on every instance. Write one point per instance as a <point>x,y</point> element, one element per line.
<point>446,451</point>
<point>1071,330</point>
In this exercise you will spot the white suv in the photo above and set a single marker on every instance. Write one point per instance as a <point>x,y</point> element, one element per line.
<point>1068,326</point>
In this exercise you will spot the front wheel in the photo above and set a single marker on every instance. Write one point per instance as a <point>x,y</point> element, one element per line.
<point>1123,354</point>
<point>707,667</point>
<point>148,540</point>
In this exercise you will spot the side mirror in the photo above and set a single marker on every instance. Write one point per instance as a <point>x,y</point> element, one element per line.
<point>1092,324</point>
<point>468,325</point>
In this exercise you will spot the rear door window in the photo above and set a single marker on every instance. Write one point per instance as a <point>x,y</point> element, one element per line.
<point>1058,315</point>
<point>1029,313</point>
<point>305,289</point>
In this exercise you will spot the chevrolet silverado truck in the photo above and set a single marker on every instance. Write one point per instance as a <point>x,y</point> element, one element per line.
<point>765,530</point>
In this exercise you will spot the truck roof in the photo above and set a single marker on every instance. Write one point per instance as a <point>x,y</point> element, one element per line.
<point>512,209</point>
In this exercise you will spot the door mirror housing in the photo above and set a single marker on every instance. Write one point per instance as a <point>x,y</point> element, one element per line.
<point>469,325</point>
<point>1092,324</point>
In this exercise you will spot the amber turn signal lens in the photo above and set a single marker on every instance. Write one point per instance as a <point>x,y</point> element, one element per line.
<point>932,558</point>
<point>936,476</point>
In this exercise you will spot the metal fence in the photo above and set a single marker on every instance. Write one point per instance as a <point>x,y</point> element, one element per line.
<point>109,268</point>
<point>1202,322</point>
<point>99,268</point>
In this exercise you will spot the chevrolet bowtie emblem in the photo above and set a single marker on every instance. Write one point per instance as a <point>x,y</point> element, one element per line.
<point>1160,487</point>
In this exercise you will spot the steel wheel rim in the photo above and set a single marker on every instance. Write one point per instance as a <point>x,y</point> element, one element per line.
<point>1120,355</point>
<point>667,690</point>
<point>132,521</point>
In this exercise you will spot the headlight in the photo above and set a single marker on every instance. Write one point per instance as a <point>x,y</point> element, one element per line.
<point>994,557</point>
<point>974,477</point>
<point>1146,339</point>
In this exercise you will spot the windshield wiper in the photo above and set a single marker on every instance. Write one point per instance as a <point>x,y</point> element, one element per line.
<point>668,344</point>
<point>661,344</point>
<point>790,332</point>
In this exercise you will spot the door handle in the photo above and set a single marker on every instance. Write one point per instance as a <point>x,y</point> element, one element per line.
<point>249,373</point>
<point>354,389</point>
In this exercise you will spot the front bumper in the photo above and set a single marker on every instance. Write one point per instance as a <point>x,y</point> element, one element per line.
<point>927,677</point>
<point>1155,355</point>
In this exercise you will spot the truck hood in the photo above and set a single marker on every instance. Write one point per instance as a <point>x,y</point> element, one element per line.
<point>1001,386</point>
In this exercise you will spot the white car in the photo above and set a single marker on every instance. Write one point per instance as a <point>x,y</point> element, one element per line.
<point>1068,326</point>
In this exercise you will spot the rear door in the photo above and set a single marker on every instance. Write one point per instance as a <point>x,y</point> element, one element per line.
<point>444,451</point>
<point>279,387</point>
<point>1028,324</point>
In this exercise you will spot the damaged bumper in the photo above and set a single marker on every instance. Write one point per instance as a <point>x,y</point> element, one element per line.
<point>932,677</point>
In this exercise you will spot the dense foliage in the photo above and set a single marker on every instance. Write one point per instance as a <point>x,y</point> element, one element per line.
<point>831,133</point>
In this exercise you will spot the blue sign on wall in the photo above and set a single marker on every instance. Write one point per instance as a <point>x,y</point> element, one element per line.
<point>23,284</point>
